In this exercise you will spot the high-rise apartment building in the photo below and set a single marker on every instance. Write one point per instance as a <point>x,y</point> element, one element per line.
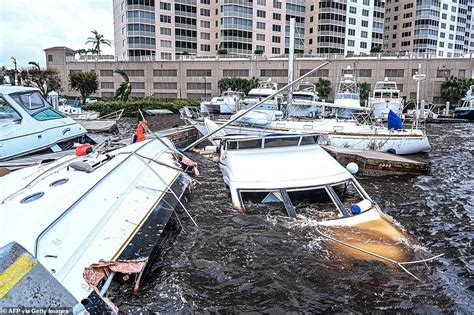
<point>154,29</point>
<point>440,27</point>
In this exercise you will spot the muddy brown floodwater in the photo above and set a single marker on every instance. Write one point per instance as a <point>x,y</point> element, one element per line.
<point>262,261</point>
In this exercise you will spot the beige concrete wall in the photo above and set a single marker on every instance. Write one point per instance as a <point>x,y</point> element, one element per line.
<point>185,69</point>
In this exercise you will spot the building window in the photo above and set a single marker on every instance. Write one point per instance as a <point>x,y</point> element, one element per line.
<point>166,56</point>
<point>198,73</point>
<point>365,73</point>
<point>165,6</point>
<point>205,35</point>
<point>276,28</point>
<point>205,24</point>
<point>351,32</point>
<point>198,86</point>
<point>275,50</point>
<point>261,37</point>
<point>259,47</point>
<point>205,12</point>
<point>350,43</point>
<point>365,12</point>
<point>363,34</point>
<point>261,13</point>
<point>276,4</point>
<point>365,23</point>
<point>443,73</point>
<point>276,39</point>
<point>352,21</point>
<point>322,73</point>
<point>168,96</point>
<point>165,19</point>
<point>394,73</point>
<point>363,44</point>
<point>165,43</point>
<point>165,85</point>
<point>106,73</point>
<point>274,73</point>
<point>353,10</point>
<point>50,58</point>
<point>233,73</point>
<point>277,16</point>
<point>165,73</point>
<point>106,85</point>
<point>205,47</point>
<point>260,25</point>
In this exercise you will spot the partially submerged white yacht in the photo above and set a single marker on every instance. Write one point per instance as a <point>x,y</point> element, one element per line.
<point>385,98</point>
<point>263,90</point>
<point>28,124</point>
<point>305,102</point>
<point>347,100</point>
<point>223,104</point>
<point>293,174</point>
<point>334,132</point>
<point>287,168</point>
<point>104,206</point>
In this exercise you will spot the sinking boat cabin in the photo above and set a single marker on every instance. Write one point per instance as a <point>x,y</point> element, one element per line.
<point>294,173</point>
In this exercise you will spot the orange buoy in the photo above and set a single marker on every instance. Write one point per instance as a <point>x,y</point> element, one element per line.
<point>83,149</point>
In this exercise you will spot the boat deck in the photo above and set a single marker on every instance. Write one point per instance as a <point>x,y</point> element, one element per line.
<point>378,163</point>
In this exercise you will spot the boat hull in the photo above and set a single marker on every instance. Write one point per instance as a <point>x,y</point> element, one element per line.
<point>380,109</point>
<point>464,113</point>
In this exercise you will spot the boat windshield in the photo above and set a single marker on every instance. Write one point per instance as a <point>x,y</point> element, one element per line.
<point>36,105</point>
<point>347,96</point>
<point>8,115</point>
<point>271,142</point>
<point>304,97</point>
<point>331,201</point>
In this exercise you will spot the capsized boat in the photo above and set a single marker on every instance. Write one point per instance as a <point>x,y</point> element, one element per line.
<point>223,104</point>
<point>28,124</point>
<point>385,98</point>
<point>263,90</point>
<point>80,211</point>
<point>293,174</point>
<point>305,102</point>
<point>465,108</point>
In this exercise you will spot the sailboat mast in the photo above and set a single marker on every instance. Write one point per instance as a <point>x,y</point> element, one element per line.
<point>291,60</point>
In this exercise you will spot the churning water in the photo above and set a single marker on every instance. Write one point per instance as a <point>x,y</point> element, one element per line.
<point>264,261</point>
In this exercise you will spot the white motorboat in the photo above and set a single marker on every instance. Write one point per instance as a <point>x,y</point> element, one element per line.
<point>334,132</point>
<point>293,174</point>
<point>263,90</point>
<point>385,98</point>
<point>305,102</point>
<point>28,123</point>
<point>465,108</point>
<point>347,100</point>
<point>73,109</point>
<point>76,211</point>
<point>285,169</point>
<point>223,104</point>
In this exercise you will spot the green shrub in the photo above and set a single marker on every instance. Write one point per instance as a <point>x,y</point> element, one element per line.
<point>131,107</point>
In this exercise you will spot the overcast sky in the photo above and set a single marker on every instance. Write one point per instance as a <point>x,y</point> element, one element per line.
<point>29,26</point>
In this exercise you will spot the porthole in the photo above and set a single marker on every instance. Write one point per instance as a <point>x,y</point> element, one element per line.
<point>59,182</point>
<point>33,197</point>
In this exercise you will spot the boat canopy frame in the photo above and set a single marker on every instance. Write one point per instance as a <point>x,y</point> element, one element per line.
<point>265,142</point>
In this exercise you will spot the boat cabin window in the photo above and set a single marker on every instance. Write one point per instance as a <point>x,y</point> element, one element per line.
<point>314,203</point>
<point>281,142</point>
<point>395,95</point>
<point>387,94</point>
<point>309,140</point>
<point>348,194</point>
<point>347,96</point>
<point>244,144</point>
<point>7,114</point>
<point>34,103</point>
<point>377,94</point>
<point>303,97</point>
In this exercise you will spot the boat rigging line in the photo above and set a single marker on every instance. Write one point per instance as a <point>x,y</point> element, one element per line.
<point>399,264</point>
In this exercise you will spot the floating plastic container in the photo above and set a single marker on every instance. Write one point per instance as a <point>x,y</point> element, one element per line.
<point>361,206</point>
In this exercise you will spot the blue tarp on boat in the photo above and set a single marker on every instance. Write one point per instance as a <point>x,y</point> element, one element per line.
<point>393,121</point>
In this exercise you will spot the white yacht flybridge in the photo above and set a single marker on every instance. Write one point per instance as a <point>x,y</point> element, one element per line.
<point>347,100</point>
<point>28,124</point>
<point>385,98</point>
<point>304,102</point>
<point>223,104</point>
<point>262,91</point>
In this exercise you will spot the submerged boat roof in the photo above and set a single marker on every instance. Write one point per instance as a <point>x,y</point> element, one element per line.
<point>284,166</point>
<point>10,89</point>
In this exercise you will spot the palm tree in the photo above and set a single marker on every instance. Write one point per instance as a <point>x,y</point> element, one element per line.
<point>125,87</point>
<point>97,40</point>
<point>35,65</point>
<point>364,92</point>
<point>454,88</point>
<point>323,87</point>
